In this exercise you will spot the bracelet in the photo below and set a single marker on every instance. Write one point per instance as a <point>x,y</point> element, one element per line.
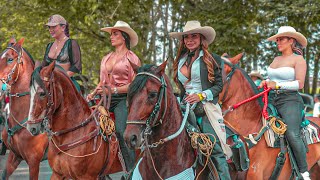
<point>200,96</point>
<point>115,90</point>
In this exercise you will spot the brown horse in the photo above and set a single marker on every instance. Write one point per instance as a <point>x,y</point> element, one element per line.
<point>77,149</point>
<point>155,123</point>
<point>247,120</point>
<point>16,66</point>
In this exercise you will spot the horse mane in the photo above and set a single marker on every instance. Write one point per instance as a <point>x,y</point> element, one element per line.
<point>252,84</point>
<point>35,76</point>
<point>139,81</point>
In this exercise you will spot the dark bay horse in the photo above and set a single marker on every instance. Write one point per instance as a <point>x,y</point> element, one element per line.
<point>247,120</point>
<point>16,66</point>
<point>77,150</point>
<point>154,109</point>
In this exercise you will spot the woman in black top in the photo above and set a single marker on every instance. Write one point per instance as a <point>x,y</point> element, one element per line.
<point>65,51</point>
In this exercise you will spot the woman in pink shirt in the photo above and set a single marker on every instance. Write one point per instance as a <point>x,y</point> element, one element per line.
<point>117,72</point>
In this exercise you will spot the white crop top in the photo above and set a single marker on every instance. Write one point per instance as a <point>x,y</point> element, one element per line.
<point>281,74</point>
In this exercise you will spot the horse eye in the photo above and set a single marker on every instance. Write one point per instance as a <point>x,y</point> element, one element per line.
<point>42,94</point>
<point>152,95</point>
<point>9,60</point>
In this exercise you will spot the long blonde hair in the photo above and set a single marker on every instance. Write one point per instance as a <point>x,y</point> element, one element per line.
<point>207,58</point>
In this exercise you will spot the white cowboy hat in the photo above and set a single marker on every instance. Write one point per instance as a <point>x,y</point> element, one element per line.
<point>256,74</point>
<point>290,32</point>
<point>195,27</point>
<point>123,26</point>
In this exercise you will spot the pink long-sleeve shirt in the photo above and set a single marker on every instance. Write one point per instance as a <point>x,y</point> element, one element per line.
<point>122,72</point>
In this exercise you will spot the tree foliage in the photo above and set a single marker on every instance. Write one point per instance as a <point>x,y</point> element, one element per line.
<point>240,25</point>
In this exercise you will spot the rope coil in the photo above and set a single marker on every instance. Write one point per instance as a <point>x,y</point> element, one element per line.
<point>279,128</point>
<point>106,122</point>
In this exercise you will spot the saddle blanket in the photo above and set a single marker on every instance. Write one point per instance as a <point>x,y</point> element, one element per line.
<point>310,134</point>
<point>187,174</point>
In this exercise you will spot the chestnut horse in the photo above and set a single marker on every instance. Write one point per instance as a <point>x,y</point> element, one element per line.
<point>77,149</point>
<point>16,66</point>
<point>247,120</point>
<point>155,123</point>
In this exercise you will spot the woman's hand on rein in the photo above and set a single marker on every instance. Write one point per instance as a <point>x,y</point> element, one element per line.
<point>192,98</point>
<point>269,84</point>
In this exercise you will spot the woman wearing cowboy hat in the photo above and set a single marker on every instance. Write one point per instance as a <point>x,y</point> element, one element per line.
<point>116,72</point>
<point>256,77</point>
<point>65,51</point>
<point>199,78</point>
<point>287,73</point>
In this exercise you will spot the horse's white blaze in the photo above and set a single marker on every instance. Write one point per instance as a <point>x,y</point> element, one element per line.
<point>4,54</point>
<point>33,90</point>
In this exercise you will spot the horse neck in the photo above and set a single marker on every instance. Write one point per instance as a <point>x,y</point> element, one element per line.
<point>70,107</point>
<point>19,106</point>
<point>245,119</point>
<point>178,151</point>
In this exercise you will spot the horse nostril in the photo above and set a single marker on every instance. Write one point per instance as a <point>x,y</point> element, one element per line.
<point>133,140</point>
<point>33,131</point>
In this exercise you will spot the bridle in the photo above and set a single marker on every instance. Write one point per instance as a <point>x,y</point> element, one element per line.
<point>8,77</point>
<point>226,78</point>
<point>152,120</point>
<point>46,120</point>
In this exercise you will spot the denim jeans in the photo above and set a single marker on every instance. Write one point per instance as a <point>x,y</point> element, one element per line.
<point>289,105</point>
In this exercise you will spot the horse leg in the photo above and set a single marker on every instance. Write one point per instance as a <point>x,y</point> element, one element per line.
<point>55,176</point>
<point>12,163</point>
<point>34,170</point>
<point>315,171</point>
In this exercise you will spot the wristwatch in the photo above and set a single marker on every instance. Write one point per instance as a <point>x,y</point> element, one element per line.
<point>204,95</point>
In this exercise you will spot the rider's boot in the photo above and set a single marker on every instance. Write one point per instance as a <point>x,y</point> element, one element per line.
<point>220,162</point>
<point>306,175</point>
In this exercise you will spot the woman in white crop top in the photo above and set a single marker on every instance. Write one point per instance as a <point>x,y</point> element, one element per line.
<point>287,73</point>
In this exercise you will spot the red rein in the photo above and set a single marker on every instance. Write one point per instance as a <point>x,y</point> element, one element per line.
<point>264,99</point>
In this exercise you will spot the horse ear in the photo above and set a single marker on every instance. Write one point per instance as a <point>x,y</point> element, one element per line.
<point>134,66</point>
<point>20,42</point>
<point>162,67</point>
<point>236,59</point>
<point>48,70</point>
<point>12,41</point>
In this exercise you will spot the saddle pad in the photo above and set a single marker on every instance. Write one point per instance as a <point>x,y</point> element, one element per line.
<point>310,133</point>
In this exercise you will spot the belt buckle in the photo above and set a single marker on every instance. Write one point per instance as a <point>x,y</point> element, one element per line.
<point>278,92</point>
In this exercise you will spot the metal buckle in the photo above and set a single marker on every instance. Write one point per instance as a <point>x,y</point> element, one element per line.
<point>278,91</point>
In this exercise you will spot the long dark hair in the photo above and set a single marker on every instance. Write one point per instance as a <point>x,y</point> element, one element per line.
<point>66,29</point>
<point>126,39</point>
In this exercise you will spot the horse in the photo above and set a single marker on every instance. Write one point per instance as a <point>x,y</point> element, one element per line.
<point>16,66</point>
<point>155,122</point>
<point>77,148</point>
<point>246,119</point>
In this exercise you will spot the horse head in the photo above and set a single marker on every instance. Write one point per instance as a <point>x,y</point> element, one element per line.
<point>150,99</point>
<point>43,99</point>
<point>11,60</point>
<point>237,87</point>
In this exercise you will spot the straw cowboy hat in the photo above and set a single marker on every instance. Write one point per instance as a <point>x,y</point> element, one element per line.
<point>290,32</point>
<point>195,27</point>
<point>123,26</point>
<point>55,20</point>
<point>256,74</point>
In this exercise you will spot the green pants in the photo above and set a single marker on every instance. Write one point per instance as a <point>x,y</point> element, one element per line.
<point>119,108</point>
<point>217,156</point>
<point>290,106</point>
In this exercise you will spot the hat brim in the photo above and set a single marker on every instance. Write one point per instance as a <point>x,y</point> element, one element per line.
<point>208,32</point>
<point>296,35</point>
<point>133,35</point>
<point>256,75</point>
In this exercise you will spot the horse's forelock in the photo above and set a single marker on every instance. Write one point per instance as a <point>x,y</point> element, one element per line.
<point>139,81</point>
<point>35,78</point>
